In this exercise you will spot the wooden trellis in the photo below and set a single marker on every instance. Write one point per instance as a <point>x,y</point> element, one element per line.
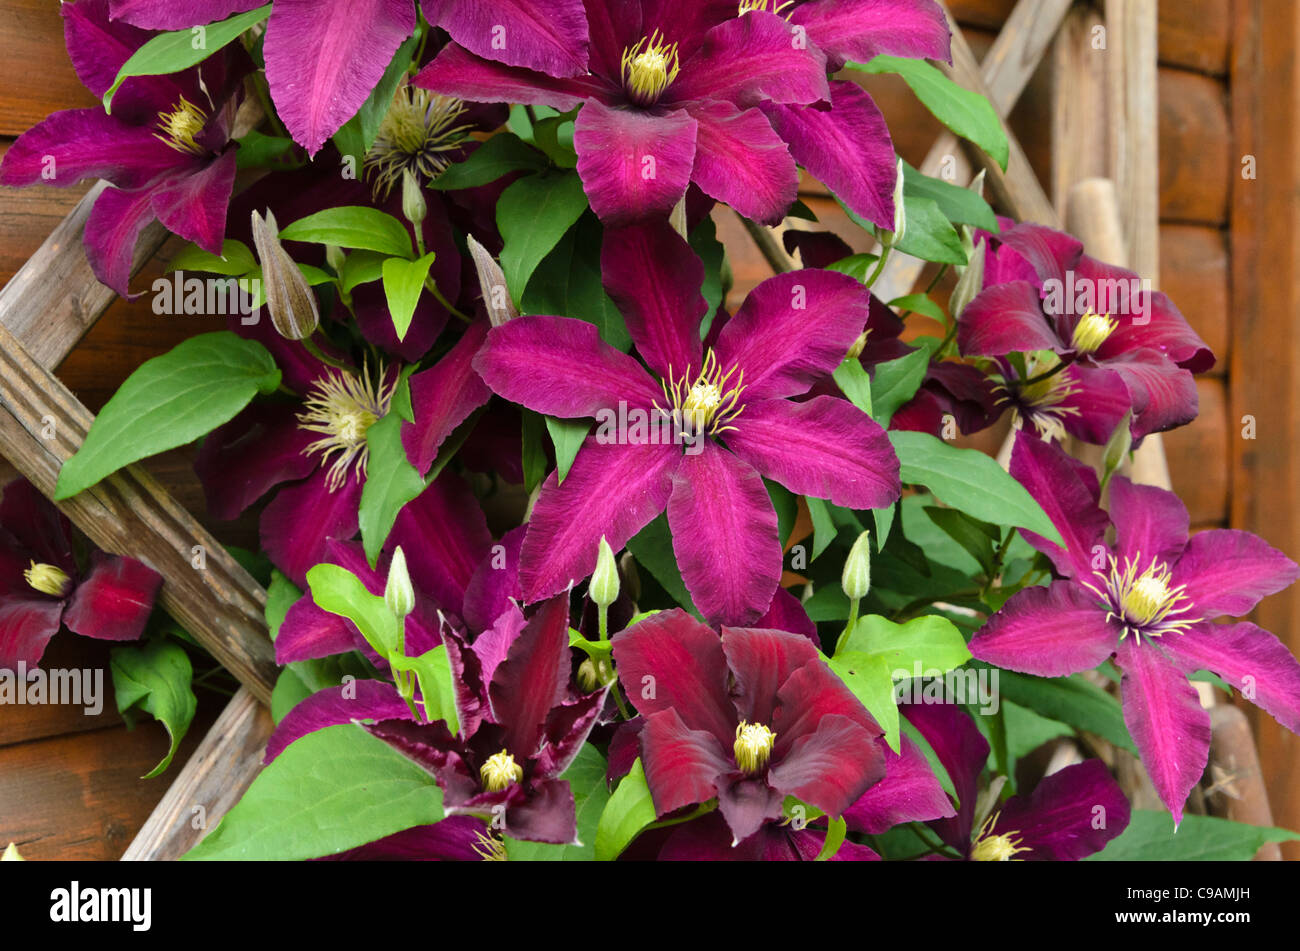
<point>1107,191</point>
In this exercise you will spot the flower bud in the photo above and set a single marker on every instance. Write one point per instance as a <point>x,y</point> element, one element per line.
<point>1119,444</point>
<point>900,217</point>
<point>856,348</point>
<point>592,675</point>
<point>971,281</point>
<point>335,258</point>
<point>857,568</point>
<point>289,299</point>
<point>11,854</point>
<point>492,282</point>
<point>414,207</point>
<point>398,593</point>
<point>604,586</point>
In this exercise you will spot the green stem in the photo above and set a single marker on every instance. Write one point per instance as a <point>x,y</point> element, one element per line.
<point>324,358</point>
<point>602,615</point>
<point>880,264</point>
<point>618,699</point>
<point>702,810</point>
<point>853,615</point>
<point>432,287</point>
<point>1049,374</point>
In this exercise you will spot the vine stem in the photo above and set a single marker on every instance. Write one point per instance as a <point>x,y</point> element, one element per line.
<point>773,253</point>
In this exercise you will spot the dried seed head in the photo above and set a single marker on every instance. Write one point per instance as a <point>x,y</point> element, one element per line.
<point>288,296</point>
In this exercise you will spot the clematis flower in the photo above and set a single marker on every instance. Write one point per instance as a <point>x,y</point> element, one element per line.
<point>1069,815</point>
<point>324,57</point>
<point>1042,293</point>
<point>726,95</point>
<point>748,718</point>
<point>42,588</point>
<point>166,146</point>
<point>791,330</point>
<point>1148,600</point>
<point>521,724</point>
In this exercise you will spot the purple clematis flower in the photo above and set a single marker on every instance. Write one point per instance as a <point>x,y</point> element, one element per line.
<point>1149,601</point>
<point>521,724</point>
<point>41,586</point>
<point>749,718</point>
<point>1070,814</point>
<point>728,96</point>
<point>324,57</point>
<point>166,145</point>
<point>1108,334</point>
<point>791,330</point>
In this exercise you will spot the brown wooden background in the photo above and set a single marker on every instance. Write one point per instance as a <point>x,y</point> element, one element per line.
<point>1228,87</point>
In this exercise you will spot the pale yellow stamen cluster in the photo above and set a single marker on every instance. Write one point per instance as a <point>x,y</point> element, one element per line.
<point>1146,602</point>
<point>1092,331</point>
<point>342,407</point>
<point>707,403</point>
<point>47,579</point>
<point>996,848</point>
<point>420,132</point>
<point>181,125</point>
<point>764,6</point>
<point>500,771</point>
<point>1044,399</point>
<point>753,746</point>
<point>649,68</point>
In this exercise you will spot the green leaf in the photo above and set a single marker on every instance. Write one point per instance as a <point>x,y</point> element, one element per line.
<point>235,259</point>
<point>437,689</point>
<point>586,777</point>
<point>180,49</point>
<point>931,641</point>
<point>358,134</point>
<point>534,458</point>
<point>1071,700</point>
<point>970,533</point>
<point>1150,837</point>
<point>568,282</point>
<point>495,158</point>
<point>352,226</point>
<point>626,813</point>
<point>403,284</point>
<point>971,481</point>
<point>919,304</point>
<point>704,242</point>
<point>836,832</point>
<point>824,530</point>
<point>567,436</point>
<point>929,236</point>
<point>786,504</point>
<point>258,150</point>
<point>330,791</point>
<point>855,383</point>
<point>653,549</point>
<point>361,267</point>
<point>169,401</point>
<point>856,266</point>
<point>156,678</point>
<point>533,214</point>
<point>339,591</point>
<point>391,482</point>
<point>1027,731</point>
<point>281,594</point>
<point>896,382</point>
<point>870,678</point>
<point>884,521</point>
<point>959,205</point>
<point>965,113</point>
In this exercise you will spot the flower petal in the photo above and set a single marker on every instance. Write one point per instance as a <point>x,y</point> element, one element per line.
<point>1150,523</point>
<point>747,803</point>
<point>247,457</point>
<point>193,205</point>
<point>1068,492</point>
<point>830,767</point>
<point>810,695</point>
<point>533,678</point>
<point>792,330</point>
<point>682,766</point>
<point>909,792</point>
<point>443,397</point>
<point>761,661</point>
<point>26,627</point>
<point>786,613</point>
<point>1164,395</point>
<point>347,703</point>
<point>111,232</point>
<point>546,814</point>
<point>826,448</point>
<point>633,164</point>
<point>861,30</point>
<point>114,601</point>
<point>296,527</point>
<point>724,536</point>
<point>458,72</point>
<point>550,37</point>
<point>177,14</point>
<point>963,751</point>
<point>1053,631</point>
<point>1005,318</point>
<point>751,59</point>
<point>1059,821</point>
<point>454,839</point>
<point>308,632</point>
<point>495,582</point>
<point>444,536</point>
<point>1050,253</point>
<point>740,160</point>
<point>71,146</point>
<point>1229,572</point>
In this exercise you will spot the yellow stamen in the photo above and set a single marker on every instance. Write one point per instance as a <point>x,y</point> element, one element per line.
<point>1145,603</point>
<point>996,848</point>
<point>1091,332</point>
<point>753,746</point>
<point>342,407</point>
<point>500,771</point>
<point>649,68</point>
<point>420,132</point>
<point>762,6</point>
<point>489,848</point>
<point>181,125</point>
<point>706,404</point>
<point>47,579</point>
<point>1040,402</point>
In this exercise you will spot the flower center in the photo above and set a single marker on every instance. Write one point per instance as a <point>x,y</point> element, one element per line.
<point>1145,603</point>
<point>500,771</point>
<point>181,125</point>
<point>1039,402</point>
<point>1091,332</point>
<point>753,746</point>
<point>419,132</point>
<point>996,848</point>
<point>47,579</point>
<point>342,407</point>
<point>649,68</point>
<point>706,404</point>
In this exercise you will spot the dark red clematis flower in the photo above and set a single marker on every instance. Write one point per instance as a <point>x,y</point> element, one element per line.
<point>41,586</point>
<point>749,718</point>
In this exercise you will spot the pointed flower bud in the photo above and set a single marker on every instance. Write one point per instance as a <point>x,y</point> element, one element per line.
<point>398,593</point>
<point>289,299</point>
<point>492,282</point>
<point>414,207</point>
<point>900,217</point>
<point>971,281</point>
<point>604,580</point>
<point>335,257</point>
<point>857,568</point>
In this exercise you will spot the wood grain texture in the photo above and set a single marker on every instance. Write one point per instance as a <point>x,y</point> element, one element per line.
<point>1196,161</point>
<point>35,73</point>
<point>1237,789</point>
<point>1134,125</point>
<point>1194,34</point>
<point>1194,272</point>
<point>21,723</point>
<point>214,778</point>
<point>1199,455</point>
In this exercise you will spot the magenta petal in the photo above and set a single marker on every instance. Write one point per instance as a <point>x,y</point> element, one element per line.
<point>724,536</point>
<point>458,72</point>
<point>1249,658</point>
<point>533,677</point>
<point>1048,252</point>
<point>1006,318</point>
<point>786,613</point>
<point>308,632</point>
<point>633,164</point>
<point>1164,715</point>
<point>444,536</point>
<point>741,161</point>
<point>1094,403</point>
<point>670,661</point>
<point>193,205</point>
<point>1165,330</point>
<point>177,14</point>
<point>561,367</point>
<point>111,232</point>
<point>443,396</point>
<point>70,146</point>
<point>26,627</point>
<point>296,527</point>
<point>495,582</point>
<point>611,490</point>
<point>803,447</point>
<point>1053,631</point>
<point>963,751</point>
<point>548,36</point>
<point>792,330</point>
<point>761,661</point>
<point>250,455</point>
<point>323,58</point>
<point>846,147</point>
<point>682,766</point>
<point>861,30</point>
<point>1229,572</point>
<point>654,277</point>
<point>355,700</point>
<point>454,839</point>
<point>751,59</point>
<point>98,48</point>
<point>115,600</point>
<point>830,767</point>
<point>910,792</point>
<point>1150,523</point>
<point>1059,821</point>
<point>1164,395</point>
<point>1068,492</point>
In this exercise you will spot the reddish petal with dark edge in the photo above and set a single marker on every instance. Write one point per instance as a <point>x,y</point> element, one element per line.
<point>830,767</point>
<point>1068,492</point>
<point>756,58</point>
<point>454,839</point>
<point>747,803</point>
<point>115,599</point>
<point>458,72</point>
<point>740,160</point>
<point>809,695</point>
<point>1071,814</point>
<point>634,165</point>
<point>861,30</point>
<point>786,613</point>
<point>193,204</point>
<point>761,662</point>
<point>296,527</point>
<point>533,677</point>
<point>26,627</point>
<point>909,792</point>
<point>495,582</point>
<point>309,632</point>
<point>545,814</point>
<point>682,766</point>
<point>1150,523</point>
<point>111,232</point>
<point>963,751</point>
